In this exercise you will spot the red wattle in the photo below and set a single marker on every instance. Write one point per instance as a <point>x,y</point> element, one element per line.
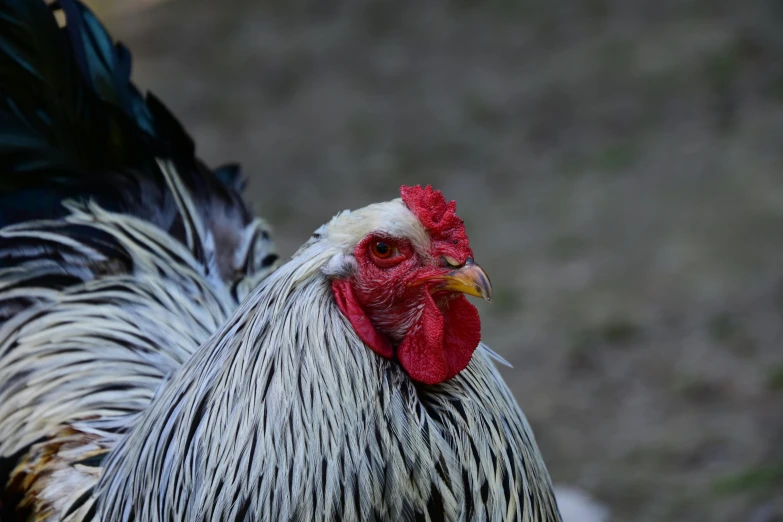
<point>421,353</point>
<point>437,347</point>
<point>462,334</point>
<point>441,344</point>
<point>349,306</point>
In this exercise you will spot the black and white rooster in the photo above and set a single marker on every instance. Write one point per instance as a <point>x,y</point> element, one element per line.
<point>157,364</point>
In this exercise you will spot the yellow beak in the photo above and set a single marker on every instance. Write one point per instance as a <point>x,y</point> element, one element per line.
<point>469,279</point>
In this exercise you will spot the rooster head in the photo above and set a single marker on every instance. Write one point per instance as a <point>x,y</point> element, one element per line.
<point>401,279</point>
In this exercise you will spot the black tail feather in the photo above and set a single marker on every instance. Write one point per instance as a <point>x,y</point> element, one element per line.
<point>73,125</point>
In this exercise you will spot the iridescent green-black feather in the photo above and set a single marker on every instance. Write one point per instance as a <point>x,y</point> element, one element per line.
<point>72,125</point>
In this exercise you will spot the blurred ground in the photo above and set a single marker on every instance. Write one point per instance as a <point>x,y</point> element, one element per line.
<point>619,165</point>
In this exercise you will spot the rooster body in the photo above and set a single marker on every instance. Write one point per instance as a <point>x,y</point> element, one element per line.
<point>156,364</point>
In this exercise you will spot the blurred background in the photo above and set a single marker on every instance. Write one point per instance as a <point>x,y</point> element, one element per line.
<point>619,166</point>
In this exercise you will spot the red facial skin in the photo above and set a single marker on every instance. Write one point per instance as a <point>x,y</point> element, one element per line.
<point>390,305</point>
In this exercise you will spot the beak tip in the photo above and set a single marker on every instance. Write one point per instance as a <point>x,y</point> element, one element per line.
<point>485,292</point>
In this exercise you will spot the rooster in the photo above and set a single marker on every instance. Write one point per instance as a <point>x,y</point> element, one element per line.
<point>157,362</point>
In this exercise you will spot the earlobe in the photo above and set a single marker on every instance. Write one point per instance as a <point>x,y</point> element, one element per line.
<point>349,306</point>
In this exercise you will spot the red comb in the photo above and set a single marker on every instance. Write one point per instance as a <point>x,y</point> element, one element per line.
<point>438,216</point>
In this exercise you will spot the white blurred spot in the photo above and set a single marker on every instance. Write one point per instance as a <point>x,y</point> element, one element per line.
<point>577,506</point>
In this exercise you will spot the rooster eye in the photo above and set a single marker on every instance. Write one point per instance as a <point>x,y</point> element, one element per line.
<point>382,250</point>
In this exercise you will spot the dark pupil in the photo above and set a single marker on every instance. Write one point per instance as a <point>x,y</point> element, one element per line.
<point>382,248</point>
